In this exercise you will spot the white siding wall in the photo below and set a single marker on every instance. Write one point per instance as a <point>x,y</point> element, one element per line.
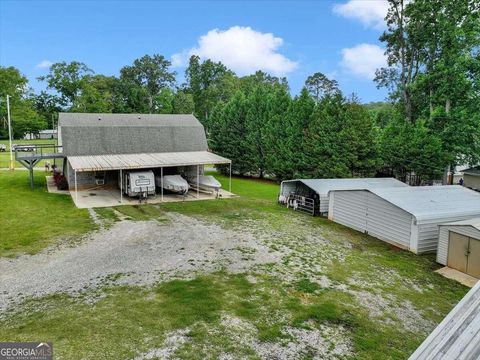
<point>428,232</point>
<point>388,222</point>
<point>349,208</point>
<point>442,250</point>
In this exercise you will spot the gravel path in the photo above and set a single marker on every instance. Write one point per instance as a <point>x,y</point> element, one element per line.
<point>143,252</point>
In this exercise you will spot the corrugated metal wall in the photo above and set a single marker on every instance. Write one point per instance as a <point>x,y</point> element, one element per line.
<point>428,232</point>
<point>388,222</point>
<point>442,250</point>
<point>349,208</point>
<point>367,212</point>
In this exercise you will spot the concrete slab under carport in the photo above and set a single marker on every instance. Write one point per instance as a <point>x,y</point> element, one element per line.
<point>87,199</point>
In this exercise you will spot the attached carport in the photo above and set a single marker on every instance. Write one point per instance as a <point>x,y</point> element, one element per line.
<point>122,162</point>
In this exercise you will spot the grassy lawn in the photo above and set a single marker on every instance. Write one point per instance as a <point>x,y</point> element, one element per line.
<point>31,220</point>
<point>331,285</point>
<point>5,156</point>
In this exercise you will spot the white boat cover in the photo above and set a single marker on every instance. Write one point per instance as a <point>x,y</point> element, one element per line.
<point>174,183</point>
<point>207,182</point>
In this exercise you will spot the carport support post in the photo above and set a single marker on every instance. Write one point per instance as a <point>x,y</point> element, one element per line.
<point>230,179</point>
<point>76,192</point>
<point>121,187</point>
<point>161,183</point>
<point>198,181</point>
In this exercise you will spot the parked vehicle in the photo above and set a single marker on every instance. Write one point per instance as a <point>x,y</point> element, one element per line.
<point>3,147</point>
<point>27,148</point>
<point>205,182</point>
<point>173,183</point>
<point>138,183</point>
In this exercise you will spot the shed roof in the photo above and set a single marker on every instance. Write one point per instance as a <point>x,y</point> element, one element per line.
<point>472,171</point>
<point>458,335</point>
<point>430,202</point>
<point>144,161</point>
<point>323,186</point>
<point>475,222</point>
<point>99,134</point>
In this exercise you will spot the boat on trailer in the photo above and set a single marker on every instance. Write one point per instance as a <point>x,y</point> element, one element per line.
<point>205,183</point>
<point>172,183</point>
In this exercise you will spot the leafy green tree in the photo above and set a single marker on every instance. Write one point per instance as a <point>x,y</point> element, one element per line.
<point>229,133</point>
<point>433,49</point>
<point>47,106</point>
<point>67,79</point>
<point>183,103</point>
<point>407,148</point>
<point>96,94</point>
<point>284,134</point>
<point>24,117</point>
<point>318,85</point>
<point>209,83</point>
<point>151,73</point>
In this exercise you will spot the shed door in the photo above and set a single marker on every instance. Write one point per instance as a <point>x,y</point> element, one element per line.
<point>473,263</point>
<point>458,251</point>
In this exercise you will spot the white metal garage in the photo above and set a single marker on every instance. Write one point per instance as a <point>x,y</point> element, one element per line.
<point>320,188</point>
<point>459,246</point>
<point>407,217</point>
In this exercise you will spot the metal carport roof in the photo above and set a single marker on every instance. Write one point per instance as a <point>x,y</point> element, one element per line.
<point>431,202</point>
<point>323,186</point>
<point>144,160</point>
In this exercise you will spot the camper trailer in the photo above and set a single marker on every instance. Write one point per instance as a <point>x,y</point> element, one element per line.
<point>138,183</point>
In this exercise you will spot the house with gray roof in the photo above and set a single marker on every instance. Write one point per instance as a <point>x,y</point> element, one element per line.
<point>102,145</point>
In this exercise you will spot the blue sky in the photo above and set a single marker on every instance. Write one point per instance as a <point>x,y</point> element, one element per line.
<point>289,38</point>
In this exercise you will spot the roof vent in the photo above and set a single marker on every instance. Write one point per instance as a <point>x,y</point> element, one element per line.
<point>99,118</point>
<point>139,117</point>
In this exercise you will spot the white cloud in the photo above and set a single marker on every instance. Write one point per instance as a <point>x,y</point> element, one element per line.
<point>44,64</point>
<point>371,13</point>
<point>241,49</point>
<point>362,60</point>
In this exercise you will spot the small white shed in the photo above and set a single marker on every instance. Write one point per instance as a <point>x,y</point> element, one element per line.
<point>407,217</point>
<point>459,246</point>
<point>321,188</point>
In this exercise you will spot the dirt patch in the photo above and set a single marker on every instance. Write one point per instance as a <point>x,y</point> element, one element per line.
<point>132,253</point>
<point>172,343</point>
<point>386,308</point>
<point>322,342</point>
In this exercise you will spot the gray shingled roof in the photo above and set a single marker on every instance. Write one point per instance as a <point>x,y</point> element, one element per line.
<point>106,134</point>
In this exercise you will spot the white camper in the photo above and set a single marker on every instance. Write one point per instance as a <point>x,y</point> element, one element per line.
<point>136,183</point>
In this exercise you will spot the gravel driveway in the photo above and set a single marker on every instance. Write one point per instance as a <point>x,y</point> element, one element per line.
<point>140,252</point>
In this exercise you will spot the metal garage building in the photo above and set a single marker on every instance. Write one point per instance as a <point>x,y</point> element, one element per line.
<point>458,335</point>
<point>407,217</point>
<point>459,246</point>
<point>315,192</point>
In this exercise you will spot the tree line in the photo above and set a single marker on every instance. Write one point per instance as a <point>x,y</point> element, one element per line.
<point>430,121</point>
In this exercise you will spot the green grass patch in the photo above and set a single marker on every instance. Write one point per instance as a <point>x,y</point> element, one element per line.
<point>132,320</point>
<point>31,220</point>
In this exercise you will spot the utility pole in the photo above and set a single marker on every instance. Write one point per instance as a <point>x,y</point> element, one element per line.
<point>10,133</point>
